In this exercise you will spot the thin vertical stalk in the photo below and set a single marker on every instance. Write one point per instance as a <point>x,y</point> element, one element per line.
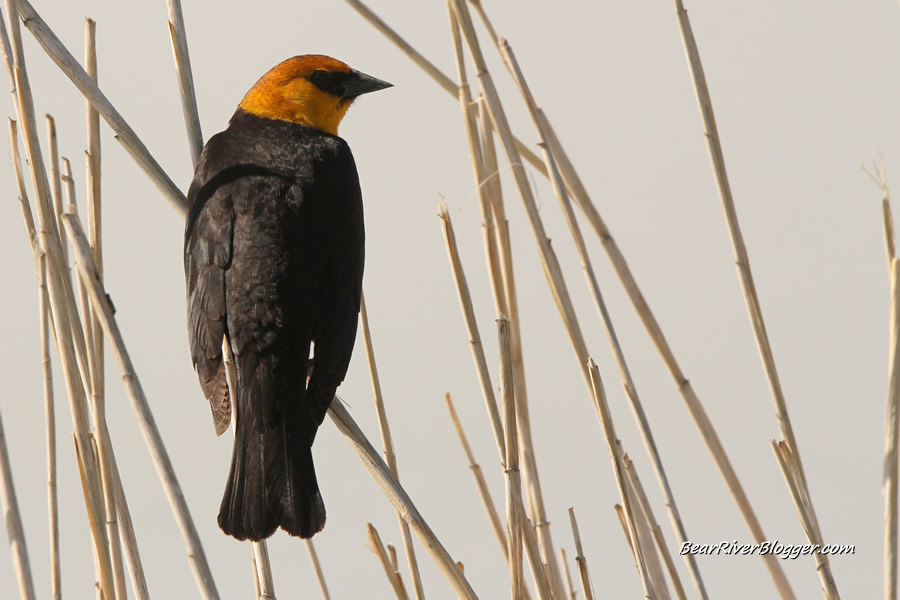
<point>317,567</point>
<point>580,559</point>
<point>570,591</point>
<point>13,520</point>
<point>619,471</point>
<point>388,444</point>
<point>264,576</point>
<point>185,79</point>
<point>94,212</point>
<point>742,260</point>
<point>891,437</point>
<point>514,508</point>
<point>55,185</point>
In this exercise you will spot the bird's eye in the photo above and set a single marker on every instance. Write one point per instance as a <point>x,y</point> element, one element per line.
<point>319,76</point>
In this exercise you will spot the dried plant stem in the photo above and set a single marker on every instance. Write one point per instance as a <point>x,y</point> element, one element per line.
<point>570,592</point>
<point>13,520</point>
<point>580,560</point>
<point>105,456</point>
<point>480,481</point>
<point>465,301</point>
<point>891,435</point>
<point>392,575</point>
<point>317,567</point>
<point>388,444</point>
<point>644,505</point>
<point>657,579</point>
<point>164,468</point>
<point>94,212</point>
<point>61,298</point>
<point>55,185</point>
<point>129,540</point>
<point>398,497</point>
<point>514,509</point>
<point>263,570</point>
<point>436,74</point>
<point>185,79</point>
<point>124,133</point>
<point>743,263</point>
<point>790,470</point>
<point>615,456</point>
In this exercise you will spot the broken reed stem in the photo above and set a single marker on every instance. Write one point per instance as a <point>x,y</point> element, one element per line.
<point>389,571</point>
<point>124,133</point>
<point>436,74</point>
<point>317,567</point>
<point>790,470</point>
<point>61,297</point>
<point>55,186</point>
<point>13,520</point>
<point>580,560</point>
<point>468,310</point>
<point>388,444</point>
<point>609,432</point>
<point>658,537</point>
<point>743,263</point>
<point>260,552</point>
<point>94,212</point>
<point>398,497</point>
<point>514,508</point>
<point>164,468</point>
<point>185,79</point>
<point>105,455</point>
<point>891,437</point>
<point>878,174</point>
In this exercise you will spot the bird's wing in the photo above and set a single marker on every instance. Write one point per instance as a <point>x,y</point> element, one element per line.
<point>340,288</point>
<point>207,255</point>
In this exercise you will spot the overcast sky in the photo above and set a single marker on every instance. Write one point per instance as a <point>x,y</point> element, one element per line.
<point>803,91</point>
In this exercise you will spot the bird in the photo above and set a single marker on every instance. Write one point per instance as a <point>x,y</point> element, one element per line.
<point>274,248</point>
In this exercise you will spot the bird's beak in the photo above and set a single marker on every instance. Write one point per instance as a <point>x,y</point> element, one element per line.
<point>360,83</point>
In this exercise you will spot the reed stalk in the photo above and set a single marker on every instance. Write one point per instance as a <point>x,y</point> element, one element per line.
<point>55,186</point>
<point>514,508</point>
<point>891,436</point>
<point>388,444</point>
<point>570,591</point>
<point>743,264</point>
<point>13,520</point>
<point>317,567</point>
<point>662,546</point>
<point>791,471</point>
<point>465,302</point>
<point>166,472</point>
<point>185,79</point>
<point>389,569</point>
<point>94,211</point>
<point>260,551</point>
<point>619,471</point>
<point>580,560</point>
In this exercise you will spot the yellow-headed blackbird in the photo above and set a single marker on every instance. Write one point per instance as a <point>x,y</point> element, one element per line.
<point>273,260</point>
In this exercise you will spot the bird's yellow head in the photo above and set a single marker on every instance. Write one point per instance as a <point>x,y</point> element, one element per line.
<point>311,90</point>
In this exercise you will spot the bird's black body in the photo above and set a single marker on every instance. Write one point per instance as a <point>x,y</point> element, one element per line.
<point>273,258</point>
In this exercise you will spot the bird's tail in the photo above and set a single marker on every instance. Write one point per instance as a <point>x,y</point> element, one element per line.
<point>272,482</point>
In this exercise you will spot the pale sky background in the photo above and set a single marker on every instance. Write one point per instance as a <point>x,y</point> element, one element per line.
<point>803,91</point>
